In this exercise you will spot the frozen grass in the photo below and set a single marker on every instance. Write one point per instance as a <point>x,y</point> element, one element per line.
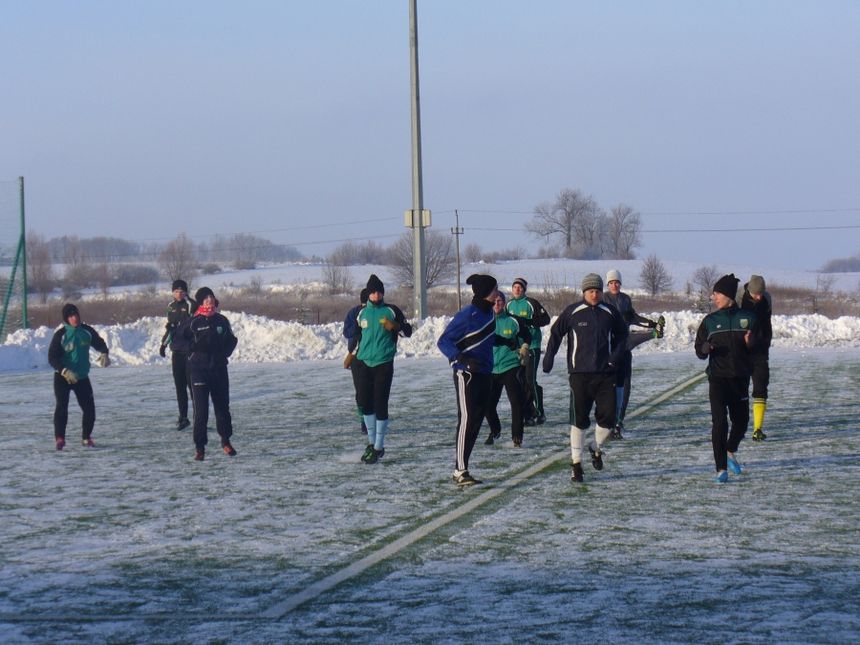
<point>136,542</point>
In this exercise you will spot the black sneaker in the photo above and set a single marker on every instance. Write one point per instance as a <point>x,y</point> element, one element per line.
<point>758,435</point>
<point>518,442</point>
<point>374,456</point>
<point>465,479</point>
<point>229,450</point>
<point>596,458</point>
<point>199,455</point>
<point>182,423</point>
<point>489,441</point>
<point>576,472</point>
<point>368,451</point>
<point>531,422</point>
<point>541,419</point>
<point>616,432</point>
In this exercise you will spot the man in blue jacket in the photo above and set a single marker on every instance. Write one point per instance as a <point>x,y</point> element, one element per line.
<point>467,343</point>
<point>596,339</point>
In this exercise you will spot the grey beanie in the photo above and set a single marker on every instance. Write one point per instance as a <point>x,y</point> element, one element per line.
<point>592,281</point>
<point>756,285</point>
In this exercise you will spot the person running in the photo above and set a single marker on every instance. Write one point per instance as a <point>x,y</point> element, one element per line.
<point>757,299</point>
<point>211,342</point>
<point>596,340</point>
<point>725,338</point>
<point>179,310</point>
<point>621,301</point>
<point>467,343</point>
<point>510,350</point>
<point>535,317</point>
<point>352,333</point>
<point>381,324</point>
<point>69,355</point>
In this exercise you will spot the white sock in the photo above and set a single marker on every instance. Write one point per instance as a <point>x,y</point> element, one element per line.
<point>381,429</point>
<point>575,444</point>
<point>370,422</point>
<point>600,436</point>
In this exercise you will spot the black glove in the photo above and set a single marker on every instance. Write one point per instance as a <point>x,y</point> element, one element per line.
<point>708,348</point>
<point>162,351</point>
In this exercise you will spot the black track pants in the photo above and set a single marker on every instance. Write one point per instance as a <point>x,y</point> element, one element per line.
<point>374,388</point>
<point>473,393</point>
<point>83,390</point>
<point>729,400</point>
<point>212,382</point>
<point>512,385</point>
<point>179,364</point>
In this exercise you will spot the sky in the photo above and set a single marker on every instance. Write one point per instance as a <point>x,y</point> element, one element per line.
<point>291,120</point>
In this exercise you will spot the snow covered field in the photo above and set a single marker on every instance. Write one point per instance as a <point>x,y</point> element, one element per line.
<point>135,542</point>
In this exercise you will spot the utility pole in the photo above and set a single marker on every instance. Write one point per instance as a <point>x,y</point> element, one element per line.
<point>457,230</point>
<point>417,220</point>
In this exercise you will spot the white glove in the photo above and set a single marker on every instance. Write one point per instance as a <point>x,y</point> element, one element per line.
<point>103,360</point>
<point>69,375</point>
<point>523,351</point>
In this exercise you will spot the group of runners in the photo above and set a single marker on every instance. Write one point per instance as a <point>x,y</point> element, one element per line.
<point>492,344</point>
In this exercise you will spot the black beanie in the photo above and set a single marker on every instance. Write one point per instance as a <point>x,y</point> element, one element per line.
<point>180,284</point>
<point>363,296</point>
<point>482,285</point>
<point>70,310</point>
<point>522,282</point>
<point>375,284</point>
<point>727,285</point>
<point>201,294</point>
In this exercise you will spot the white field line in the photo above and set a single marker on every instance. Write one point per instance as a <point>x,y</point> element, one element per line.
<point>316,589</point>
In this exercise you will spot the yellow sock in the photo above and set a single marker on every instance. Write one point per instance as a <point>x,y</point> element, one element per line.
<point>759,406</point>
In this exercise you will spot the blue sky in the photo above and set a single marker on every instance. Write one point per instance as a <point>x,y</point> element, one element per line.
<point>291,119</point>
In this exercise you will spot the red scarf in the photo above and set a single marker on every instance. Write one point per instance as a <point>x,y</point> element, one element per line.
<point>203,310</point>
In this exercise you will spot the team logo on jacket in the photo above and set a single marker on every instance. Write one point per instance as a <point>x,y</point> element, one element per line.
<point>363,324</point>
<point>744,323</point>
<point>219,329</point>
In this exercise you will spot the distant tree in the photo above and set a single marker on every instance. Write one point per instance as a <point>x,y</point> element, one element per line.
<point>843,265</point>
<point>40,266</point>
<point>104,276</point>
<point>623,232</point>
<point>590,232</point>
<point>336,274</point>
<point>704,279</point>
<point>438,253</point>
<point>654,277</point>
<point>572,214</point>
<point>472,253</point>
<point>178,259</point>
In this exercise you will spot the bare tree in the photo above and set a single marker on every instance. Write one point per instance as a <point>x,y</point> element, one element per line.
<point>439,254</point>
<point>590,232</point>
<point>654,277</point>
<point>561,218</point>
<point>40,266</point>
<point>624,232</point>
<point>704,279</point>
<point>336,275</point>
<point>472,253</point>
<point>104,276</point>
<point>178,259</point>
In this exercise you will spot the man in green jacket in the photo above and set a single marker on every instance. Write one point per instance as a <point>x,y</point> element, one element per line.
<point>510,349</point>
<point>532,313</point>
<point>69,355</point>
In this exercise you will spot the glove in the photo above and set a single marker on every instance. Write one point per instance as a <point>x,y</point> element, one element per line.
<point>103,360</point>
<point>69,375</point>
<point>523,351</point>
<point>348,360</point>
<point>390,325</point>
<point>708,348</point>
<point>162,351</point>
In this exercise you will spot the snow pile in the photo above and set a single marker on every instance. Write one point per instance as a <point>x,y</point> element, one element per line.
<point>264,340</point>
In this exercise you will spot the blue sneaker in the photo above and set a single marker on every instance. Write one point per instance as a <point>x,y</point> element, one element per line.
<point>734,466</point>
<point>722,477</point>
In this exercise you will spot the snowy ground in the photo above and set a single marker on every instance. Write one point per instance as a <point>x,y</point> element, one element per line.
<point>136,542</point>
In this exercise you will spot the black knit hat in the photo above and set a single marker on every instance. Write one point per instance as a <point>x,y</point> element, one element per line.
<point>363,296</point>
<point>375,284</point>
<point>522,282</point>
<point>180,284</point>
<point>727,285</point>
<point>482,285</point>
<point>201,294</point>
<point>70,310</point>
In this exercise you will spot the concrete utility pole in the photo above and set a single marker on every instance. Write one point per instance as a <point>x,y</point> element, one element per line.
<point>457,230</point>
<point>417,220</point>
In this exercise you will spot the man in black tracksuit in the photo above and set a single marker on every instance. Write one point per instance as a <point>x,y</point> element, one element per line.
<point>596,337</point>
<point>69,355</point>
<point>178,311</point>
<point>757,300</point>
<point>725,338</point>
<point>211,343</point>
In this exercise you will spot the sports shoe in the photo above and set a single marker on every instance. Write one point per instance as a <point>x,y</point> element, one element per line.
<point>616,432</point>
<point>182,423</point>
<point>530,422</point>
<point>465,479</point>
<point>734,466</point>
<point>198,456</point>
<point>758,435</point>
<point>380,453</point>
<point>576,472</point>
<point>596,458</point>
<point>88,442</point>
<point>229,450</point>
<point>660,327</point>
<point>541,419</point>
<point>367,452</point>
<point>60,443</point>
<point>518,442</point>
<point>722,477</point>
<point>373,457</point>
<point>489,441</point>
